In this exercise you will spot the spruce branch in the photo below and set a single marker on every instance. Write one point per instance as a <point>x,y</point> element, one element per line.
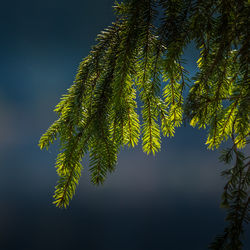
<point>138,60</point>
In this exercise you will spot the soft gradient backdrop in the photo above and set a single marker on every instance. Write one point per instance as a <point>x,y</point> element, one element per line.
<point>170,201</point>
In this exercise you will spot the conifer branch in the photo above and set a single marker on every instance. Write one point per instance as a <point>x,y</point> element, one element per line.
<point>135,56</point>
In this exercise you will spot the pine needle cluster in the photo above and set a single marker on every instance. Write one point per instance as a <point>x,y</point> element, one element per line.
<point>138,61</point>
<point>235,199</point>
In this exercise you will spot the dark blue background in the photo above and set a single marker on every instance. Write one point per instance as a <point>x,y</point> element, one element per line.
<point>170,201</point>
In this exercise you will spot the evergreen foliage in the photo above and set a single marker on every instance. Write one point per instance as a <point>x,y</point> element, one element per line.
<point>139,60</point>
<point>234,198</point>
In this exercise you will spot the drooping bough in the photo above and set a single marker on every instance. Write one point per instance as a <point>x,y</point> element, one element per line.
<point>138,60</point>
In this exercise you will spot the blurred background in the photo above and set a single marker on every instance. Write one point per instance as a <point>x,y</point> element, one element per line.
<point>170,201</point>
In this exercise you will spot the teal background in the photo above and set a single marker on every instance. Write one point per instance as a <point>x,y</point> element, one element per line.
<point>170,201</point>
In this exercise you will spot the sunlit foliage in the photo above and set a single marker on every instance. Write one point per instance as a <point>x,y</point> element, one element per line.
<point>138,60</point>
